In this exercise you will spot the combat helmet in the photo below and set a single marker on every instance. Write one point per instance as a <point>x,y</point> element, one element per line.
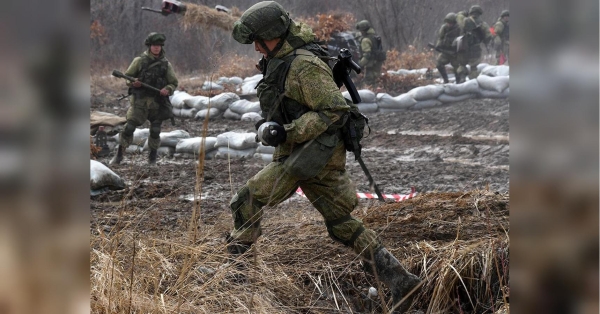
<point>155,39</point>
<point>363,25</point>
<point>504,13</point>
<point>476,9</point>
<point>265,20</point>
<point>450,18</point>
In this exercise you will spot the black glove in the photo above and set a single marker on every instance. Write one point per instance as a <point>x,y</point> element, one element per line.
<point>274,135</point>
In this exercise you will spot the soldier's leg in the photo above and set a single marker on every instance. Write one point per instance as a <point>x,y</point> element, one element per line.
<point>334,196</point>
<point>154,140</point>
<point>136,116</point>
<point>455,66</point>
<point>442,60</point>
<point>270,186</point>
<point>461,71</point>
<point>473,63</point>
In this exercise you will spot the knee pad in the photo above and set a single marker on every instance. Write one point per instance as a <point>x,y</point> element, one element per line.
<point>129,129</point>
<point>155,130</point>
<point>243,207</point>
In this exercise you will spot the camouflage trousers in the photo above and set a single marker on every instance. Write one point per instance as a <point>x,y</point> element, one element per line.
<point>372,74</point>
<point>502,48</point>
<point>445,58</point>
<point>331,192</point>
<point>472,58</point>
<point>140,110</point>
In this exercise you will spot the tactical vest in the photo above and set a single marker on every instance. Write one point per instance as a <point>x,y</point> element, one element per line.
<point>473,32</point>
<point>505,33</point>
<point>450,33</point>
<point>154,73</point>
<point>377,52</point>
<point>274,104</point>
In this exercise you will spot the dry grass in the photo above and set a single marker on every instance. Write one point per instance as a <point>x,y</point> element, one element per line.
<point>198,15</point>
<point>323,25</point>
<point>457,242</point>
<point>409,59</point>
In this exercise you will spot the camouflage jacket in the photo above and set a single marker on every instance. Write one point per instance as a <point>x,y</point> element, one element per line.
<point>447,35</point>
<point>502,32</point>
<point>368,49</point>
<point>309,83</point>
<point>169,82</point>
<point>476,31</point>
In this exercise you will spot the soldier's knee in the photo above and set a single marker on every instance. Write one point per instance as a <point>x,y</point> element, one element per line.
<point>129,128</point>
<point>155,130</point>
<point>243,206</point>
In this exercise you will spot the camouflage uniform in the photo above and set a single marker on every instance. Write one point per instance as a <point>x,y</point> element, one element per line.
<point>501,40</point>
<point>475,32</point>
<point>147,104</point>
<point>371,52</point>
<point>298,92</point>
<point>448,32</point>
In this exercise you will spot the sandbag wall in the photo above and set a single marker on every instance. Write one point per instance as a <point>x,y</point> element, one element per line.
<point>493,82</point>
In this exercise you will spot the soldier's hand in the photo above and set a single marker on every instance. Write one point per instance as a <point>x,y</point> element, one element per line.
<point>164,92</point>
<point>273,135</point>
<point>136,84</point>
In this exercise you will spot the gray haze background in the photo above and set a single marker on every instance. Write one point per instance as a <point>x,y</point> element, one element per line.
<point>44,103</point>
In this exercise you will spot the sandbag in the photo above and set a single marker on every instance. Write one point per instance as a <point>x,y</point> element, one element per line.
<point>134,149</point>
<point>267,158</point>
<point>139,136</point>
<point>251,116</point>
<point>235,80</point>
<point>212,113</point>
<point>230,115</point>
<point>102,177</point>
<point>423,104</point>
<point>265,149</point>
<point>207,156</point>
<point>226,153</point>
<point>249,84</point>
<point>197,102</point>
<point>494,94</point>
<point>496,70</point>
<point>497,83</point>
<point>366,96</point>
<point>244,106</point>
<point>211,86</point>
<point>165,151</point>
<point>170,139</point>
<point>468,87</point>
<point>367,107</point>
<point>177,99</point>
<point>237,140</point>
<point>426,92</point>
<point>482,66</point>
<point>98,118</point>
<point>402,101</point>
<point>185,113</point>
<point>446,99</point>
<point>192,145</point>
<point>222,101</point>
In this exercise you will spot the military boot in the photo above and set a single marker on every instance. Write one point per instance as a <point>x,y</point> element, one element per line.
<point>118,157</point>
<point>152,156</point>
<point>396,278</point>
<point>442,70</point>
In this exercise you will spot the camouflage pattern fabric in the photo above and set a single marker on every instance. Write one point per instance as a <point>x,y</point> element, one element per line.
<point>476,31</point>
<point>501,40</point>
<point>445,40</point>
<point>309,82</point>
<point>145,106</point>
<point>370,65</point>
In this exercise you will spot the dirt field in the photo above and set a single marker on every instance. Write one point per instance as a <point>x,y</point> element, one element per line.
<point>458,155</point>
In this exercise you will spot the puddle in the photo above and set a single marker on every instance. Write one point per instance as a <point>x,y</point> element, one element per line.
<point>473,135</point>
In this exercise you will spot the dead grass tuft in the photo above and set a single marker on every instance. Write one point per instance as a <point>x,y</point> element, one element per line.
<point>323,25</point>
<point>197,15</point>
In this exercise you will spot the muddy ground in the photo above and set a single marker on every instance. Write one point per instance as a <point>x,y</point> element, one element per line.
<point>455,148</point>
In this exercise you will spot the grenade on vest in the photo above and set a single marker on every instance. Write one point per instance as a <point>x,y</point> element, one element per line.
<point>265,127</point>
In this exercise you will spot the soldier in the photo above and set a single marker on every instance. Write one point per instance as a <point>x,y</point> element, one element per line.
<point>303,109</point>
<point>460,18</point>
<point>371,52</point>
<point>152,68</point>
<point>501,39</point>
<point>475,32</point>
<point>446,45</point>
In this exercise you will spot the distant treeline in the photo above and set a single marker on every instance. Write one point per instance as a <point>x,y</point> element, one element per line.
<point>118,28</point>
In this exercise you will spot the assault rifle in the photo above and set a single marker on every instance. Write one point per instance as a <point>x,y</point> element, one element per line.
<point>442,50</point>
<point>167,102</point>
<point>341,75</point>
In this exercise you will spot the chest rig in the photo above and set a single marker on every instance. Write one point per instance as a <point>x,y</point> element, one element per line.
<point>153,72</point>
<point>274,104</point>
